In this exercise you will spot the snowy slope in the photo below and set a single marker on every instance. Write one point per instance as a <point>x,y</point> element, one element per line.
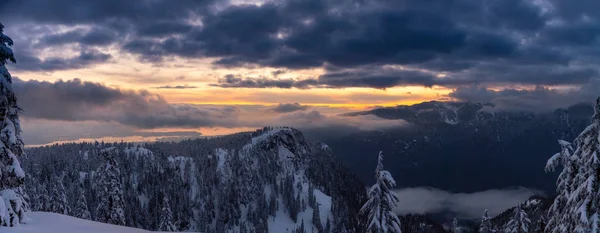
<point>281,222</point>
<point>43,222</point>
<point>270,180</point>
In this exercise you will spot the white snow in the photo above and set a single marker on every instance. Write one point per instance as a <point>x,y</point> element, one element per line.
<point>109,149</point>
<point>42,222</point>
<point>448,113</point>
<point>221,155</point>
<point>82,176</point>
<point>533,202</point>
<point>285,153</point>
<point>266,135</point>
<point>282,222</point>
<point>138,151</point>
<point>324,205</point>
<point>181,162</point>
<point>144,200</point>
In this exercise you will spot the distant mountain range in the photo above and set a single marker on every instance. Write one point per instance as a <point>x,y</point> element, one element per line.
<point>463,147</point>
<point>274,180</point>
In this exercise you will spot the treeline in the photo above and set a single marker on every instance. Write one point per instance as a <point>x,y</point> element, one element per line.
<point>235,183</point>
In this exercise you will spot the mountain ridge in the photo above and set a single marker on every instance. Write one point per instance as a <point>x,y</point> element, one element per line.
<point>270,180</point>
<point>473,149</point>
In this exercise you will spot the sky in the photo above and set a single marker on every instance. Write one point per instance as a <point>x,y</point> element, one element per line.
<point>165,69</point>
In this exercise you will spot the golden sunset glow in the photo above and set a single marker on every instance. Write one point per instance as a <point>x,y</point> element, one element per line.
<point>140,76</point>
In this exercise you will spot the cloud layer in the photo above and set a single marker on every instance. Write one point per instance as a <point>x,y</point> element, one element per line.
<point>76,100</point>
<point>538,99</point>
<point>359,43</point>
<point>467,205</point>
<point>40,132</point>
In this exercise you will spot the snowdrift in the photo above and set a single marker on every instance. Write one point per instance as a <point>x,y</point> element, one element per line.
<point>43,222</point>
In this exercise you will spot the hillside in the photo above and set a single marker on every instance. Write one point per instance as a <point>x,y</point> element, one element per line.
<point>464,147</point>
<point>271,180</point>
<point>43,222</point>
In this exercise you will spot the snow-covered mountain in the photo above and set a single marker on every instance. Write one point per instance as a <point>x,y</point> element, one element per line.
<point>44,222</point>
<point>464,147</point>
<point>271,180</point>
<point>536,209</point>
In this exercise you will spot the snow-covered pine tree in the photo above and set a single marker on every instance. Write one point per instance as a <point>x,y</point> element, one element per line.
<point>519,223</point>
<point>33,203</point>
<point>577,207</point>
<point>563,185</point>
<point>166,216</point>
<point>58,198</point>
<point>110,191</point>
<point>43,203</point>
<point>382,199</point>
<point>540,226</point>
<point>486,223</point>
<point>12,210</point>
<point>455,226</point>
<point>81,207</point>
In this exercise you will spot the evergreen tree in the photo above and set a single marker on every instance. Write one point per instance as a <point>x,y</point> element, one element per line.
<point>58,199</point>
<point>300,229</point>
<point>110,195</point>
<point>540,226</point>
<point>563,184</point>
<point>11,144</point>
<point>166,216</point>
<point>486,223</point>
<point>33,189</point>
<point>382,199</point>
<point>43,203</point>
<point>81,207</point>
<point>519,223</point>
<point>455,227</point>
<point>577,207</point>
<point>201,188</point>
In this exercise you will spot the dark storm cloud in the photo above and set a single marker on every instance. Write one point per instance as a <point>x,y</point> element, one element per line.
<point>284,108</point>
<point>75,100</point>
<point>377,78</point>
<point>512,41</point>
<point>234,81</point>
<point>84,59</point>
<point>177,87</point>
<point>382,33</point>
<point>95,36</point>
<point>278,72</point>
<point>269,35</point>
<point>505,73</point>
<point>157,29</point>
<point>109,21</point>
<point>371,77</point>
<point>72,12</point>
<point>387,77</point>
<point>537,99</point>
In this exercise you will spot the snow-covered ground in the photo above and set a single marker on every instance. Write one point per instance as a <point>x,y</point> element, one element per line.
<point>42,222</point>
